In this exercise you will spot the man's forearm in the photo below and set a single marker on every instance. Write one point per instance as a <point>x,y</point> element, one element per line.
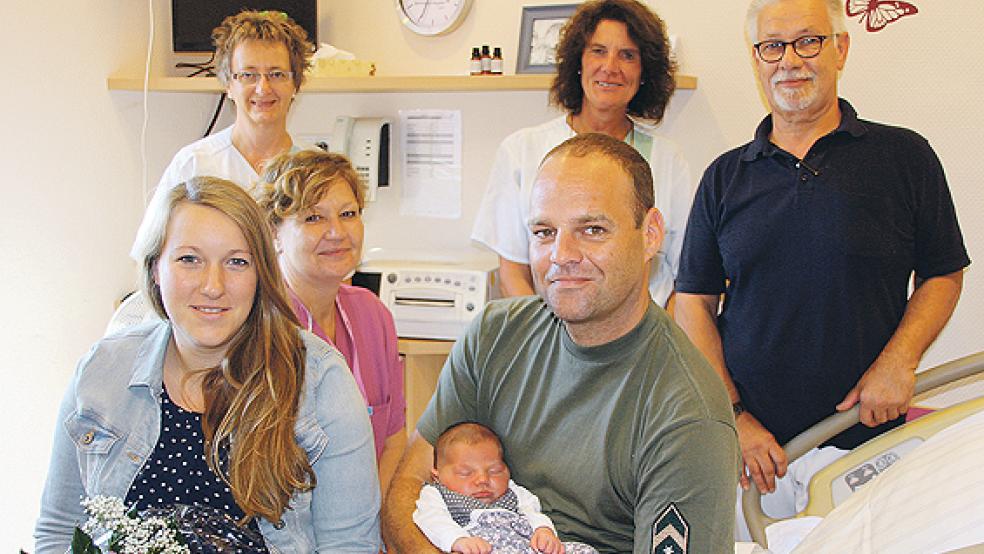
<point>927,312</point>
<point>886,388</point>
<point>399,531</point>
<point>696,314</point>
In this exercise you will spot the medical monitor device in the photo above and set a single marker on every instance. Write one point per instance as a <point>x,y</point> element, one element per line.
<point>192,21</point>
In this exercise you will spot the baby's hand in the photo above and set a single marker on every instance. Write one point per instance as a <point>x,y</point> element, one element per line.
<point>545,541</point>
<point>471,545</point>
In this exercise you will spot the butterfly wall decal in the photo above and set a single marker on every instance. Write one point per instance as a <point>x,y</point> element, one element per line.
<point>879,13</point>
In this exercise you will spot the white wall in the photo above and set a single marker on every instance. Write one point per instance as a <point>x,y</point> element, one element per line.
<point>69,149</point>
<point>70,211</point>
<point>72,158</point>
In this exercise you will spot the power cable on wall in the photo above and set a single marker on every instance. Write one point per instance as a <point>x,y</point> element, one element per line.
<point>215,116</point>
<point>146,113</point>
<point>206,67</point>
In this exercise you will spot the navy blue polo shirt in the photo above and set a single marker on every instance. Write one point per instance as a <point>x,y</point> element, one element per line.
<point>815,258</point>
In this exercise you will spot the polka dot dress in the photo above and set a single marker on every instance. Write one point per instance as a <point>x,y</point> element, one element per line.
<point>177,473</point>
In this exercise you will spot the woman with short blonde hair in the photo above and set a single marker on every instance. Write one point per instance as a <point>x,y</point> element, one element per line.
<point>261,57</point>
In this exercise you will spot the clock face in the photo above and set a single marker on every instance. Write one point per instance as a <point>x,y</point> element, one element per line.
<point>432,17</point>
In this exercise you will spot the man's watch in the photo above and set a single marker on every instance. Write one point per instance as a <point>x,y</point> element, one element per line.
<point>738,408</point>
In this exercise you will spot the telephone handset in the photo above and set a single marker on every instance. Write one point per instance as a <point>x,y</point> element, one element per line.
<point>341,134</point>
<point>366,142</point>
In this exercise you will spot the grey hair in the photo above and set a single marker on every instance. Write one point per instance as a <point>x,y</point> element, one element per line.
<point>834,11</point>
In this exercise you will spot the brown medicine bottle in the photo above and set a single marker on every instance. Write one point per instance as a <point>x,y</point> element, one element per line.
<point>475,67</point>
<point>496,65</point>
<point>486,60</point>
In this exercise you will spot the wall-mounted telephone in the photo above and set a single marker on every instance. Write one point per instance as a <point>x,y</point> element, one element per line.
<point>366,141</point>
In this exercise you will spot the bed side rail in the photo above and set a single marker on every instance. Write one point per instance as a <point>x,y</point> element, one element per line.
<point>927,380</point>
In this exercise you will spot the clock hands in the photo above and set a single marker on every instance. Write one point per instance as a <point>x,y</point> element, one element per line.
<point>410,4</point>
<point>432,17</point>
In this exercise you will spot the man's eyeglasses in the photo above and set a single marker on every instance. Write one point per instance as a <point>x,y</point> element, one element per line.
<point>252,77</point>
<point>771,51</point>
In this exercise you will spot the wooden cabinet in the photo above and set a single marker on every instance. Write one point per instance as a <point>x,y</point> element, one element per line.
<point>422,363</point>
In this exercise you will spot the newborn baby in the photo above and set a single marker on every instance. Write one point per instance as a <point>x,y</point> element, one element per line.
<point>473,507</point>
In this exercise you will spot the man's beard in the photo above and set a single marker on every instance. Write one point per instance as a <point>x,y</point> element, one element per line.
<point>798,100</point>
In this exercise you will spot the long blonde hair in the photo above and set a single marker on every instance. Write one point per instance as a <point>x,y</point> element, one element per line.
<point>252,397</point>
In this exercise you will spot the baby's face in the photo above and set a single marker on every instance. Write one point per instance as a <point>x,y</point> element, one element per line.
<point>474,470</point>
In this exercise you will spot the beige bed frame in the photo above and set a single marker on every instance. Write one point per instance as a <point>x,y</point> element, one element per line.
<point>836,482</point>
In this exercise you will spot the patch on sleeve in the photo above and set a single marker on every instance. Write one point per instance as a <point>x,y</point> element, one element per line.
<point>670,532</point>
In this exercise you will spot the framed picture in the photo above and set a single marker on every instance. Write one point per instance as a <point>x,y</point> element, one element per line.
<point>539,35</point>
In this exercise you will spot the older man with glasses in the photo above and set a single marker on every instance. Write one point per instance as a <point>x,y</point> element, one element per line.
<point>812,233</point>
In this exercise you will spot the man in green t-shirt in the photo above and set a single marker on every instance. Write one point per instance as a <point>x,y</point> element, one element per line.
<point>606,411</point>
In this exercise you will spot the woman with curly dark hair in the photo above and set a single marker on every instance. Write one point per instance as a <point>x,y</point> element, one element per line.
<point>614,76</point>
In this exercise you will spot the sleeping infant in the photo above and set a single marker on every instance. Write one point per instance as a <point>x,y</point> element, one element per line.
<point>473,507</point>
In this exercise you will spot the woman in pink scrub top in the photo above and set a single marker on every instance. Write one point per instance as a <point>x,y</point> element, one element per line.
<point>314,203</point>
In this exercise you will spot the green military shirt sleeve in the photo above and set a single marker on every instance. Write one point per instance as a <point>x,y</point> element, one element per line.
<point>686,490</point>
<point>454,400</point>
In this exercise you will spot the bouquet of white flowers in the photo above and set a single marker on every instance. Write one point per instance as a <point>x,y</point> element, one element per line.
<point>180,529</point>
<point>125,532</point>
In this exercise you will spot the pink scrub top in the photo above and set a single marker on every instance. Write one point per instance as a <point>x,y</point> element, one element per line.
<point>366,337</point>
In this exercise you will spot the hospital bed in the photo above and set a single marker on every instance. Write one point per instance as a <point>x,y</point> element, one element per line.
<point>834,485</point>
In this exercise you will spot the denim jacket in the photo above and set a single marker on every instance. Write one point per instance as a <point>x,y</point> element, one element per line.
<point>109,424</point>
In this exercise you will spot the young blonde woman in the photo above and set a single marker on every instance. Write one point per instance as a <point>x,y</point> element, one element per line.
<point>223,403</point>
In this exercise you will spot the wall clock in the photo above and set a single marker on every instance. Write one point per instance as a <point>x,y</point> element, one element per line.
<point>432,17</point>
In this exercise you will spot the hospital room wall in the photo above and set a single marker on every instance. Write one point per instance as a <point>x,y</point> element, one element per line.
<point>911,74</point>
<point>73,170</point>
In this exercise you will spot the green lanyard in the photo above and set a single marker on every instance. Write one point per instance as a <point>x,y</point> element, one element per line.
<point>642,142</point>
